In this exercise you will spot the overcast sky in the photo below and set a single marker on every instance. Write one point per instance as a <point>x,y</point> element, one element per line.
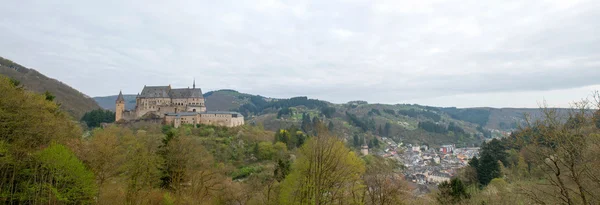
<point>467,53</point>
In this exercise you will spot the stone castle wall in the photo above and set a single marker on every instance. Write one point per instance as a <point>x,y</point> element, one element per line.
<point>176,109</point>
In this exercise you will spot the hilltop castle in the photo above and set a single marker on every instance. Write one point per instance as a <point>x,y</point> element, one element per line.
<point>175,107</point>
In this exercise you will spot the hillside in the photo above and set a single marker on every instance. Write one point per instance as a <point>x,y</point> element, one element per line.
<point>403,122</point>
<point>71,100</point>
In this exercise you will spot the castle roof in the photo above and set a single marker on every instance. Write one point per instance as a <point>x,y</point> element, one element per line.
<point>155,92</point>
<point>167,92</point>
<point>120,97</point>
<point>186,93</point>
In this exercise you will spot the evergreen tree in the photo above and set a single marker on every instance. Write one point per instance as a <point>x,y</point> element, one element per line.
<point>330,127</point>
<point>356,140</point>
<point>306,123</point>
<point>488,169</point>
<point>387,129</point>
<point>452,192</point>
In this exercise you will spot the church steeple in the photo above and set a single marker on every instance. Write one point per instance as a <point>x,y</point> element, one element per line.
<point>194,83</point>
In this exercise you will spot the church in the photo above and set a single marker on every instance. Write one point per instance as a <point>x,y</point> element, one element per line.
<point>175,106</point>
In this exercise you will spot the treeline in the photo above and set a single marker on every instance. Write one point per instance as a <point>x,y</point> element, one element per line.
<point>258,104</point>
<point>366,124</point>
<point>424,113</point>
<point>432,127</point>
<point>473,115</point>
<point>36,168</point>
<point>550,161</point>
<point>96,117</point>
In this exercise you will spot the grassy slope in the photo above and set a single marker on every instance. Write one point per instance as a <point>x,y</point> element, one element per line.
<point>71,100</point>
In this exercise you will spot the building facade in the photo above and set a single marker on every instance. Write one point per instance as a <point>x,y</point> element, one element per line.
<point>175,106</point>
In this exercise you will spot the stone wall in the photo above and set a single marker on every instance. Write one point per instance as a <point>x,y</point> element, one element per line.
<point>221,119</point>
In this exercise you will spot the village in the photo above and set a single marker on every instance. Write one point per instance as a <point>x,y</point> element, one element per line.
<point>425,166</point>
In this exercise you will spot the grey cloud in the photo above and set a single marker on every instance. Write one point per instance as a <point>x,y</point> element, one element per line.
<point>381,51</point>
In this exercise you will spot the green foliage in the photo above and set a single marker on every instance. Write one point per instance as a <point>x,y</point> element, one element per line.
<point>49,96</point>
<point>258,104</point>
<point>68,180</point>
<point>486,133</point>
<point>28,121</point>
<point>374,112</point>
<point>488,169</point>
<point>388,111</point>
<point>292,137</point>
<point>269,151</point>
<point>452,192</point>
<point>477,116</point>
<point>284,111</point>
<point>282,169</point>
<point>245,172</point>
<point>15,82</point>
<point>325,172</point>
<point>432,127</point>
<point>424,113</point>
<point>328,111</point>
<point>387,129</point>
<point>95,117</point>
<point>452,127</point>
<point>365,124</point>
<point>497,149</point>
<point>374,143</point>
<point>356,141</point>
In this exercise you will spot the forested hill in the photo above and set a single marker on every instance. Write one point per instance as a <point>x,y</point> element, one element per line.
<point>408,123</point>
<point>70,99</point>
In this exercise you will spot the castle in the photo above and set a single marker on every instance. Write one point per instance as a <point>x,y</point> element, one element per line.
<point>174,107</point>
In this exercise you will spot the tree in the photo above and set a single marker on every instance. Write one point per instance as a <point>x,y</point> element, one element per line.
<point>64,179</point>
<point>49,96</point>
<point>306,123</point>
<point>96,117</point>
<point>452,192</point>
<point>29,125</point>
<point>383,184</point>
<point>597,119</point>
<point>387,130</point>
<point>497,150</point>
<point>102,152</point>
<point>488,169</point>
<point>326,172</point>
<point>566,153</point>
<point>356,141</point>
<point>282,169</point>
<point>330,127</point>
<point>141,166</point>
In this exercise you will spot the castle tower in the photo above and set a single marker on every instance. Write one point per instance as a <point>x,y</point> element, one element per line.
<point>364,150</point>
<point>120,107</point>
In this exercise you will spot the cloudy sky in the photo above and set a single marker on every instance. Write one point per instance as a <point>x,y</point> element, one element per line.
<point>464,53</point>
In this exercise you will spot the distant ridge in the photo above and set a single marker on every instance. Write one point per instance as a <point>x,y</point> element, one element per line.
<point>72,101</point>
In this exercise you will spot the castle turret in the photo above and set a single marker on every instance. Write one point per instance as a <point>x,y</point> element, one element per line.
<point>120,107</point>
